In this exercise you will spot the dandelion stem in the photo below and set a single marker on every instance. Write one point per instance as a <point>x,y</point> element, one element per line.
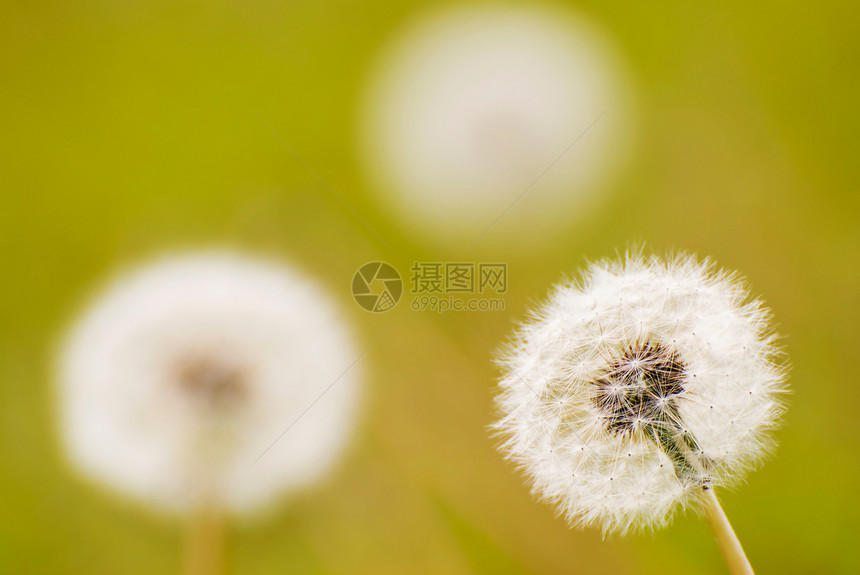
<point>204,543</point>
<point>729,544</point>
<point>685,469</point>
<point>665,437</point>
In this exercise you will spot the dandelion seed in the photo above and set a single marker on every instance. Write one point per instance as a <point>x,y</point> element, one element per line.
<point>672,384</point>
<point>182,373</point>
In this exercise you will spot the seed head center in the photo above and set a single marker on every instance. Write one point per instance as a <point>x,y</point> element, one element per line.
<point>637,389</point>
<point>210,382</point>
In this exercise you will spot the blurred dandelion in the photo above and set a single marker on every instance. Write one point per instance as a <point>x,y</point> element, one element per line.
<point>471,107</point>
<point>638,389</point>
<point>182,373</point>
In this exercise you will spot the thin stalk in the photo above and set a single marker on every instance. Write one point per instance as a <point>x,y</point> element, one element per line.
<point>205,543</point>
<point>683,451</point>
<point>729,544</point>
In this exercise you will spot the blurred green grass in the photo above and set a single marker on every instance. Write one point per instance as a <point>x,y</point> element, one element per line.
<point>130,128</point>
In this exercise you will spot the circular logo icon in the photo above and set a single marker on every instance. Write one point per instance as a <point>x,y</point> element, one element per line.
<point>377,287</point>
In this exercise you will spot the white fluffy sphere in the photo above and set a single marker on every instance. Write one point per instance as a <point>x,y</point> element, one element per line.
<point>472,105</point>
<point>631,390</point>
<point>184,371</point>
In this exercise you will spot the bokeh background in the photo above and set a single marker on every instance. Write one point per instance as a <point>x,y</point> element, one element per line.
<point>130,127</point>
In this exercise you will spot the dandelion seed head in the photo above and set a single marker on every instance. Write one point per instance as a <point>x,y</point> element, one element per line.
<point>470,105</point>
<point>182,372</point>
<point>634,387</point>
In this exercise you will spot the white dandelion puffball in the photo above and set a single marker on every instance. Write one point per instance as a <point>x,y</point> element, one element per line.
<point>473,106</point>
<point>183,372</point>
<point>636,387</point>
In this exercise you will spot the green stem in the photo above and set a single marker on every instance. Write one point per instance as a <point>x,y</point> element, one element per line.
<point>204,543</point>
<point>725,535</point>
<point>664,437</point>
<point>669,441</point>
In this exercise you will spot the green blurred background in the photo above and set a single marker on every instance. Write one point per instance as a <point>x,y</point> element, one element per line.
<point>128,128</point>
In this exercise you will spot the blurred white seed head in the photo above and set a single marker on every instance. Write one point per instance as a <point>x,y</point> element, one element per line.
<point>184,371</point>
<point>638,385</point>
<point>468,107</point>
